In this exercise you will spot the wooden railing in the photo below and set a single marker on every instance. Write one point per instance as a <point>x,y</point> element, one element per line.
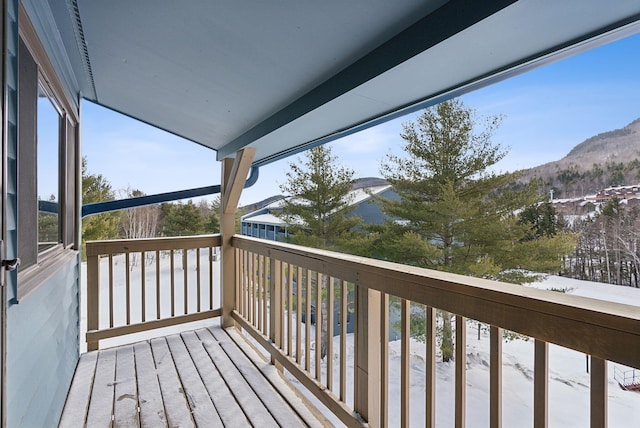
<point>163,282</point>
<point>279,285</point>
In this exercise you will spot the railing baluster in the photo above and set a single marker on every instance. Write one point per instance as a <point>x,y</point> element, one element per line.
<point>250,291</point>
<point>210,277</point>
<point>307,324</point>
<point>289,309</point>
<point>495,383</point>
<point>143,284</point>
<point>298,314</point>
<point>279,270</point>
<point>319,281</point>
<point>405,323</point>
<point>540,384</point>
<point>127,282</point>
<point>185,281</point>
<point>265,293</point>
<point>461,371</point>
<point>198,298</point>
<point>158,284</point>
<point>430,367</point>
<point>110,290</point>
<point>243,283</point>
<point>343,341</point>
<point>384,360</point>
<point>173,285</point>
<point>260,292</point>
<point>330,320</point>
<point>599,397</point>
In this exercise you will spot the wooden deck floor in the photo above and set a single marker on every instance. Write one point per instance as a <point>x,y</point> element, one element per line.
<point>201,378</point>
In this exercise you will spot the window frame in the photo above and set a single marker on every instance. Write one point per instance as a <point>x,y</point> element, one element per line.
<point>51,260</point>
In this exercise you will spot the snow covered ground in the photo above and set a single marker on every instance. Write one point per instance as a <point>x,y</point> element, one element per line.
<point>568,378</point>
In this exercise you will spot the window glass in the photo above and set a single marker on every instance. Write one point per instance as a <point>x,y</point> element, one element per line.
<point>48,141</point>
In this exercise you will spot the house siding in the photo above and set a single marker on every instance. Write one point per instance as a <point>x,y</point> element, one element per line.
<point>42,349</point>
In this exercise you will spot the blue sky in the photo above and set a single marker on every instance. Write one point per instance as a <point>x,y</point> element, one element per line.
<point>547,112</point>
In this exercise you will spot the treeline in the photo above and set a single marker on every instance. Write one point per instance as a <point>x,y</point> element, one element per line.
<point>608,246</point>
<point>574,182</point>
<point>166,219</point>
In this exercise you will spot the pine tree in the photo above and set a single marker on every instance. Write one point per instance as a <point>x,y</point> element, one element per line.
<point>318,211</point>
<point>96,188</point>
<point>181,219</point>
<point>454,212</point>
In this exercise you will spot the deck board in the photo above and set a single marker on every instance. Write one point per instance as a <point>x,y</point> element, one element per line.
<point>175,401</point>
<point>126,394</point>
<point>101,403</point>
<point>152,413</point>
<point>196,378</point>
<point>77,404</point>
<point>230,411</point>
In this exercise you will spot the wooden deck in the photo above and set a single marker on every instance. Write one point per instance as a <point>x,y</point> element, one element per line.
<point>208,377</point>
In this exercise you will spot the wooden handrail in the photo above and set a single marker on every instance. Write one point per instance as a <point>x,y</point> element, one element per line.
<point>607,330</point>
<point>118,246</point>
<point>147,290</point>
<point>604,330</point>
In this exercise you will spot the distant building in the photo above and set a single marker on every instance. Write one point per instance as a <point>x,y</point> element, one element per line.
<point>264,222</point>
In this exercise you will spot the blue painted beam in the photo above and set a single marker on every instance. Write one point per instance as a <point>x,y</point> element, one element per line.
<point>451,18</point>
<point>48,207</point>
<point>123,204</point>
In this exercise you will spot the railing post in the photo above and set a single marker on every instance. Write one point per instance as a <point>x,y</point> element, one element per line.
<point>367,355</point>
<point>93,295</point>
<point>599,394</point>
<point>228,260</point>
<point>234,175</point>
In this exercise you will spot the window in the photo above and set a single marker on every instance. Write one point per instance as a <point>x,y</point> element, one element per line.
<point>48,170</point>
<point>47,167</point>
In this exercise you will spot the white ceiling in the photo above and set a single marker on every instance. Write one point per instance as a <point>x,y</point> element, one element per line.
<point>283,75</point>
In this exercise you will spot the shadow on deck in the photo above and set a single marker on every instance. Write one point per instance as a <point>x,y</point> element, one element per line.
<point>208,377</point>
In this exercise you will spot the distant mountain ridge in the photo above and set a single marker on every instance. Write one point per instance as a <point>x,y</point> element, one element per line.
<point>608,159</point>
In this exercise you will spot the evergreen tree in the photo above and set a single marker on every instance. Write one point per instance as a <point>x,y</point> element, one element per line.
<point>318,210</point>
<point>454,213</point>
<point>181,219</point>
<point>96,188</point>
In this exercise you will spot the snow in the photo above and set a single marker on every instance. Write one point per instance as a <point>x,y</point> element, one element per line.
<point>568,378</point>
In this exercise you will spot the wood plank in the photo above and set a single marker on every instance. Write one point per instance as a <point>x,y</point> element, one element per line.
<point>118,246</point>
<point>540,384</point>
<point>338,408</point>
<point>384,361</point>
<point>150,325</point>
<point>152,412</point>
<point>235,181</point>
<point>226,405</point>
<point>310,414</point>
<point>430,367</point>
<point>461,372</point>
<point>495,382</point>
<point>272,400</point>
<point>175,402</point>
<point>599,397</point>
<point>405,344</point>
<point>77,404</point>
<point>93,298</point>
<point>244,394</point>
<point>202,409</point>
<point>101,406</point>
<point>126,393</point>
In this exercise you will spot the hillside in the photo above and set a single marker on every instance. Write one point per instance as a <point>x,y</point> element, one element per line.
<point>608,159</point>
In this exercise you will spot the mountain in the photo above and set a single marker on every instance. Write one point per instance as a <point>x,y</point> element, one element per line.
<point>608,159</point>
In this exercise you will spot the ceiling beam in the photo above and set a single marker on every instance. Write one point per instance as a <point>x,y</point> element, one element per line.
<point>450,19</point>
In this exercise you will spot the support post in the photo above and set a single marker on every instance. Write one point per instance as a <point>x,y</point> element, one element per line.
<point>93,294</point>
<point>367,355</point>
<point>234,174</point>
